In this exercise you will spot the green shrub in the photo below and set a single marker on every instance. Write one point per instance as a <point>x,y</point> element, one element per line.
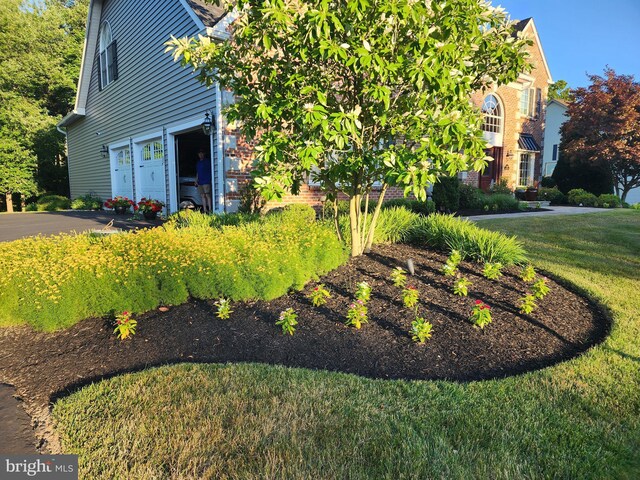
<point>52,203</point>
<point>610,199</point>
<point>446,232</point>
<point>195,219</point>
<point>31,207</point>
<point>553,195</point>
<point>54,282</point>
<point>415,206</point>
<point>446,194</point>
<point>634,206</point>
<point>87,202</point>
<point>500,202</point>
<point>501,187</point>
<point>471,197</point>
<point>547,182</point>
<point>578,196</point>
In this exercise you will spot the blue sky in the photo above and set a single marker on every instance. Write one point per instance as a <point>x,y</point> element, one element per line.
<point>581,36</point>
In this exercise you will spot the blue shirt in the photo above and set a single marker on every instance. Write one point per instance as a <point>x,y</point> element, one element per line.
<point>203,167</point>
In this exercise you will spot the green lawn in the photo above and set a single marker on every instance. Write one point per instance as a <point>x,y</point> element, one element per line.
<point>580,419</point>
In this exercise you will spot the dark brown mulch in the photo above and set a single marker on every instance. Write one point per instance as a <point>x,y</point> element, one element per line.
<point>43,366</point>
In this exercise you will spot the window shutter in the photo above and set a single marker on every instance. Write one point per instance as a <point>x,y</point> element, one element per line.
<point>555,152</point>
<point>532,101</point>
<point>538,102</point>
<point>99,72</point>
<point>112,58</point>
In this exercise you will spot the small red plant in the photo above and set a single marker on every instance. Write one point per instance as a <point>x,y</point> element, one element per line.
<point>125,326</point>
<point>480,314</point>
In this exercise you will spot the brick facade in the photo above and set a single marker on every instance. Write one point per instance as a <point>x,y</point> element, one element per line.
<point>239,153</point>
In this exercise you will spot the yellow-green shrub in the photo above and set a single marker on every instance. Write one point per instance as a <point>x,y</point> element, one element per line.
<point>54,282</point>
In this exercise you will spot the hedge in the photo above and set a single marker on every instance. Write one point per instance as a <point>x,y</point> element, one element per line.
<point>54,282</point>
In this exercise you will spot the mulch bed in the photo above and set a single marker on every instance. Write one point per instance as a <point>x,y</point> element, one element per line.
<point>43,366</point>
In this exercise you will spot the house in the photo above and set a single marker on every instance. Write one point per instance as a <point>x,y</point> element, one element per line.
<point>556,115</point>
<point>515,121</point>
<point>137,124</point>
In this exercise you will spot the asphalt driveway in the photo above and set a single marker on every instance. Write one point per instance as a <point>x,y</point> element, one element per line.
<point>14,226</point>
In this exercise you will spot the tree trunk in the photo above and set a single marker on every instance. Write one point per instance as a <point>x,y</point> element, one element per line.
<point>9,199</point>
<point>336,221</point>
<point>354,221</point>
<point>374,220</point>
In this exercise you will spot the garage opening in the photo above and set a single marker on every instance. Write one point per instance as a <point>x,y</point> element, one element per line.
<point>187,146</point>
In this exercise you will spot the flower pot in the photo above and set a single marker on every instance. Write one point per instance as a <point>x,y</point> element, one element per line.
<point>121,210</point>
<point>531,194</point>
<point>150,215</point>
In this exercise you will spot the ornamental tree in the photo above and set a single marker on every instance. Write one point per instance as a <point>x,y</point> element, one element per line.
<point>604,128</point>
<point>358,93</point>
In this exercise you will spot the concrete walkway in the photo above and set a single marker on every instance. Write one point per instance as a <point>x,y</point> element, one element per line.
<point>14,226</point>
<point>556,210</point>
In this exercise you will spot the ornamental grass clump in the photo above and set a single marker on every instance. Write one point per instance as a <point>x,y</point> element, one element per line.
<point>51,283</point>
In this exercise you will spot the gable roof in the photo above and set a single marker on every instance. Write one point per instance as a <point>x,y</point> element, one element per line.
<point>208,13</point>
<point>205,15</point>
<point>519,27</point>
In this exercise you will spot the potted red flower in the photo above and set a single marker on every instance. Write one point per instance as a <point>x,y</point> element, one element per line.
<point>150,208</point>
<point>120,204</point>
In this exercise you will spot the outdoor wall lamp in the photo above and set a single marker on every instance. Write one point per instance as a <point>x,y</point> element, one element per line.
<point>207,125</point>
<point>509,153</point>
<point>104,151</point>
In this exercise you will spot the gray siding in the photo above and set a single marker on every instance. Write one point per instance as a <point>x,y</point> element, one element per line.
<point>151,93</point>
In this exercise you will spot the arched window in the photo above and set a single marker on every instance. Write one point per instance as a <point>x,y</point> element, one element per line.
<point>492,115</point>
<point>108,56</point>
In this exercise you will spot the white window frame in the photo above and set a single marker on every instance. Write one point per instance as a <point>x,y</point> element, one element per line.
<point>490,118</point>
<point>104,59</point>
<point>531,157</point>
<point>528,107</point>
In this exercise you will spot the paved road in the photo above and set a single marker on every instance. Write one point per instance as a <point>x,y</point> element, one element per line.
<point>19,225</point>
<point>559,210</point>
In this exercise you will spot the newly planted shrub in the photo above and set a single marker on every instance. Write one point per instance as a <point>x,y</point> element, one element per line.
<point>528,274</point>
<point>492,271</point>
<point>223,308</point>
<point>480,314</point>
<point>410,297</point>
<point>125,326</point>
<point>288,321</point>
<point>451,266</point>
<point>527,304</point>
<point>461,286</point>
<point>357,314</point>
<point>420,330</point>
<point>319,295</point>
<point>399,277</point>
<point>540,289</point>
<point>363,292</point>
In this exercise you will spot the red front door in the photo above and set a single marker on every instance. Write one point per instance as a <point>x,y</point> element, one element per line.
<point>491,174</point>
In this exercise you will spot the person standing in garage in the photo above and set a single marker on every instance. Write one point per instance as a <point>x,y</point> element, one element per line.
<point>203,180</point>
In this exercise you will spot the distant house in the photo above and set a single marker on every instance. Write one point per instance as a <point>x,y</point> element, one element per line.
<point>515,121</point>
<point>555,117</point>
<point>137,123</point>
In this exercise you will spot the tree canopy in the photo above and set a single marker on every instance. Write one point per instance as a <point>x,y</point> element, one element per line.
<point>358,93</point>
<point>603,128</point>
<point>559,90</point>
<point>40,54</point>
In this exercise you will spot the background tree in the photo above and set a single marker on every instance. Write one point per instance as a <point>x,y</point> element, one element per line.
<point>355,92</point>
<point>560,91</point>
<point>603,128</point>
<point>40,54</point>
